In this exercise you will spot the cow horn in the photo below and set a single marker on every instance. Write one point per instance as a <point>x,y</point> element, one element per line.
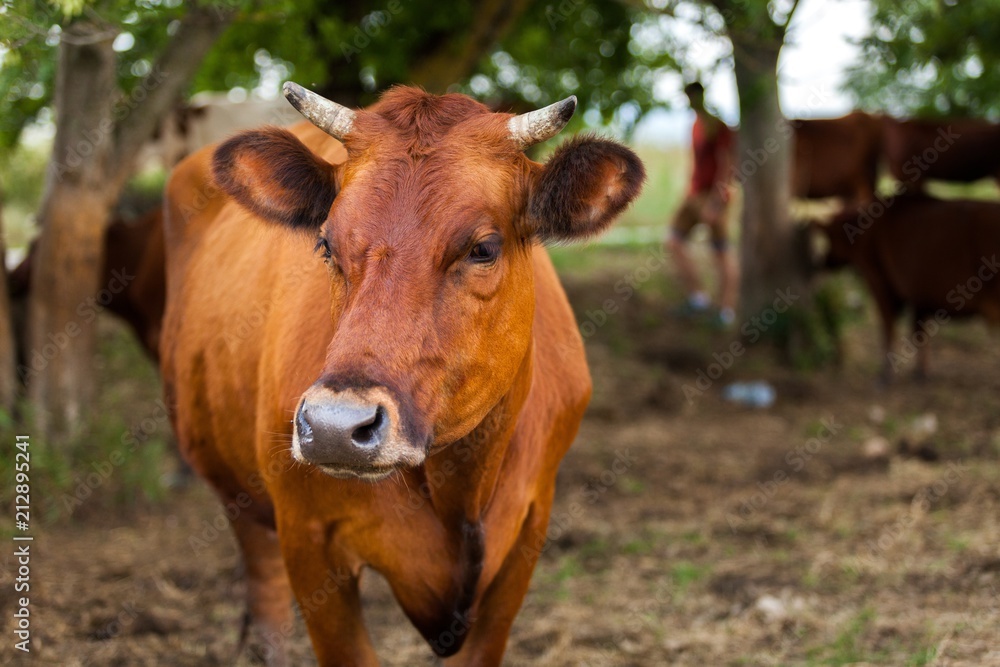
<point>332,118</point>
<point>528,129</point>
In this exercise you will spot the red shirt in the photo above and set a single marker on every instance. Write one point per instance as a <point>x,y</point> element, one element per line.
<point>706,154</point>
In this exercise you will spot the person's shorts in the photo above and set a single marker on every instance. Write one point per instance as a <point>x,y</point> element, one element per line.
<point>694,210</point>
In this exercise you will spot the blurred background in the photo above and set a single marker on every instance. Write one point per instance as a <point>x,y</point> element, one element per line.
<point>802,501</point>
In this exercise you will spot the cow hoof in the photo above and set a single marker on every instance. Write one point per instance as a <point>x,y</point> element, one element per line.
<point>254,643</point>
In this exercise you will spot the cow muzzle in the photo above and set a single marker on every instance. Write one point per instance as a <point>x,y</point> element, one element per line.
<point>352,433</point>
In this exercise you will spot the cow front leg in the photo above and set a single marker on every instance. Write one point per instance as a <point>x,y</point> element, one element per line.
<point>888,310</point>
<point>326,588</point>
<point>269,598</point>
<point>495,613</point>
<point>923,350</point>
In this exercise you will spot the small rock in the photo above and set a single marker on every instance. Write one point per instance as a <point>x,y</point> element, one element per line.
<point>876,414</point>
<point>771,607</point>
<point>923,427</point>
<point>875,448</point>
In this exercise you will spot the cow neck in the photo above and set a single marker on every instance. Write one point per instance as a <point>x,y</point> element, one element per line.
<point>470,467</point>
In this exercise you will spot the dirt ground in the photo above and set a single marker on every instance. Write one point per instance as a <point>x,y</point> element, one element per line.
<point>844,525</point>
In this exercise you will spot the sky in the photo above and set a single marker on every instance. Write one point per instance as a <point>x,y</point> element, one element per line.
<point>812,64</point>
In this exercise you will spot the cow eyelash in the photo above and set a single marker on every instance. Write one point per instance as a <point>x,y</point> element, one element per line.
<point>324,245</point>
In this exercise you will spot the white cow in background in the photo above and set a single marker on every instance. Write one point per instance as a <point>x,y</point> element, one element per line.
<point>206,119</point>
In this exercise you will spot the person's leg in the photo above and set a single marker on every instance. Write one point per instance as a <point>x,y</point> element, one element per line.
<point>725,262</point>
<point>685,219</point>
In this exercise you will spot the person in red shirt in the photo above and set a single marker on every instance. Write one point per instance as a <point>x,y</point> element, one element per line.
<point>707,201</point>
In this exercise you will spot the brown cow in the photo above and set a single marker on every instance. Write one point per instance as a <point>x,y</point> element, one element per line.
<point>964,150</point>
<point>836,157</point>
<point>937,257</point>
<point>132,286</point>
<point>402,400</point>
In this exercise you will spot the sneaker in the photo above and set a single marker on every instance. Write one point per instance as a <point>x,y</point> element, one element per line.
<point>723,320</point>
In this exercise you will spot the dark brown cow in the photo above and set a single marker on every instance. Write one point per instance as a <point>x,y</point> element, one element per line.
<point>836,157</point>
<point>940,258</point>
<point>132,285</point>
<point>964,150</point>
<point>376,359</point>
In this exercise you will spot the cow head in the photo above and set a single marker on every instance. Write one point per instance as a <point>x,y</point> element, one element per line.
<point>427,230</point>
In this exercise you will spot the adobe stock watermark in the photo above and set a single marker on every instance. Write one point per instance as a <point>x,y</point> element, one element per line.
<point>624,289</point>
<point>276,640</point>
<point>556,14</point>
<point>642,617</point>
<point>371,26</point>
<point>592,493</point>
<point>92,139</point>
<point>913,168</point>
<point>921,504</point>
<point>751,331</point>
<point>453,459</point>
<point>86,311</point>
<point>101,471</point>
<point>753,158</point>
<point>958,297</point>
<point>796,460</point>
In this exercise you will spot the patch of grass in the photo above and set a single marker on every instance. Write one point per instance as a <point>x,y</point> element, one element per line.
<point>685,573</point>
<point>958,544</point>
<point>923,657</point>
<point>811,581</point>
<point>596,548</point>
<point>569,568</point>
<point>639,547</point>
<point>693,537</point>
<point>632,486</point>
<point>848,648</point>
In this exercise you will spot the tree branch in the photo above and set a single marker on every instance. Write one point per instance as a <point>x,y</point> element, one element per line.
<point>160,89</point>
<point>788,19</point>
<point>457,58</point>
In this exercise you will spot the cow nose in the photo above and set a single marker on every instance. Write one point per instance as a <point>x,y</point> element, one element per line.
<point>341,432</point>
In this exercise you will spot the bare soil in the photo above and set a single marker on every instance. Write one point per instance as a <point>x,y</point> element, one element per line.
<point>844,525</point>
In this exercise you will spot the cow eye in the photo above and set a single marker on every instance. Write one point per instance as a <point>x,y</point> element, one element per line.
<point>485,252</point>
<point>323,245</point>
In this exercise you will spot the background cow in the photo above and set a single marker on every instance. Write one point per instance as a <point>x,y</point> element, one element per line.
<point>401,401</point>
<point>134,259</point>
<point>961,149</point>
<point>936,257</point>
<point>836,157</point>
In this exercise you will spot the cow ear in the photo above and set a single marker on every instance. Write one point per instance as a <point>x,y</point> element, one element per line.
<point>583,187</point>
<point>272,174</point>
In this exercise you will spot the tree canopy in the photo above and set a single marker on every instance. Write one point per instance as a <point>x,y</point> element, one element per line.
<point>513,55</point>
<point>930,58</point>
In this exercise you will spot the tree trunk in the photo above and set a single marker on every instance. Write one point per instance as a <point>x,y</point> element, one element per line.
<point>774,254</point>
<point>769,240</point>
<point>98,137</point>
<point>73,213</point>
<point>8,344</point>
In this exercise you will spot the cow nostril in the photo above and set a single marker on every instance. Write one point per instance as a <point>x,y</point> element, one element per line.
<point>305,430</point>
<point>370,434</point>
